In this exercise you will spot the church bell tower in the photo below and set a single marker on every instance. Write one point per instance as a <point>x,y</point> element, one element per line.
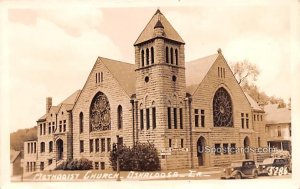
<point>160,82</point>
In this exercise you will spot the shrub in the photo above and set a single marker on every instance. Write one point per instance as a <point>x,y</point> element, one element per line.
<point>81,164</point>
<point>281,154</point>
<point>142,157</point>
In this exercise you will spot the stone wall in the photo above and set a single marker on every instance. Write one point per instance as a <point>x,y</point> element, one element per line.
<point>203,99</point>
<point>116,96</point>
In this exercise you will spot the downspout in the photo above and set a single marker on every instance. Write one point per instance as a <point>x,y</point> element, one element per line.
<point>133,128</point>
<point>71,132</point>
<point>56,154</point>
<point>191,137</point>
<point>137,121</point>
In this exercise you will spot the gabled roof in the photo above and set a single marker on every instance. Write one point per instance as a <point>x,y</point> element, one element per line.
<point>13,155</point>
<point>253,103</point>
<point>158,20</point>
<point>68,103</point>
<point>275,115</point>
<point>72,98</point>
<point>196,70</point>
<point>123,72</point>
<point>55,109</point>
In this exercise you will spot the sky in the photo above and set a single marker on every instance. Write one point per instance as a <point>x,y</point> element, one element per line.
<point>51,50</point>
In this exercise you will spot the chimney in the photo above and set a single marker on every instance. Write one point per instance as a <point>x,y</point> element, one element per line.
<point>48,104</point>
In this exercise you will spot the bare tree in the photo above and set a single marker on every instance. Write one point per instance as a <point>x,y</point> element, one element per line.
<point>245,72</point>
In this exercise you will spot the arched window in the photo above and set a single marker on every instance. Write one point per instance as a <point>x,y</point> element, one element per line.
<point>120,117</point>
<point>81,122</point>
<point>222,109</point>
<point>147,57</point>
<point>100,113</point>
<point>152,55</point>
<point>169,118</point>
<point>50,146</point>
<point>172,55</point>
<point>42,147</point>
<point>142,58</point>
<point>176,56</point>
<point>167,54</point>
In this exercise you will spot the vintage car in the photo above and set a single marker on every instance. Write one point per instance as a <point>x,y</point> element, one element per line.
<point>240,169</point>
<point>274,166</point>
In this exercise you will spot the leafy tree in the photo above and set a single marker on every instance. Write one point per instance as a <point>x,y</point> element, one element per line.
<point>18,138</point>
<point>141,157</point>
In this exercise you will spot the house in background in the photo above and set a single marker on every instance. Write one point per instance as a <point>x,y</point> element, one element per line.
<point>15,163</point>
<point>278,127</point>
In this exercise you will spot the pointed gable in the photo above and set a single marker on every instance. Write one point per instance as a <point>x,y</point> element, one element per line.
<point>158,20</point>
<point>69,103</point>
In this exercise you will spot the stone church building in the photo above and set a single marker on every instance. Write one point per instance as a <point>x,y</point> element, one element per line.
<point>187,109</point>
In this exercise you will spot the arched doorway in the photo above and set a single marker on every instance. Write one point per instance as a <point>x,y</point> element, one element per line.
<point>246,147</point>
<point>59,149</point>
<point>200,151</point>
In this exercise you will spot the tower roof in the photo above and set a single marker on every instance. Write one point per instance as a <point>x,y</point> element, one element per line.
<point>158,24</point>
<point>158,20</point>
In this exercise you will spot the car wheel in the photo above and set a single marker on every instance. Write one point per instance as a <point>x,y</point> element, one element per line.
<point>238,176</point>
<point>255,174</point>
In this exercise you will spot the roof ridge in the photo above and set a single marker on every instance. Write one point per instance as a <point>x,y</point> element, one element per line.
<point>203,57</point>
<point>101,57</point>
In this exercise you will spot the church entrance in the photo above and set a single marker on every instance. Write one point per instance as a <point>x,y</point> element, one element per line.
<point>246,147</point>
<point>200,151</point>
<point>60,149</point>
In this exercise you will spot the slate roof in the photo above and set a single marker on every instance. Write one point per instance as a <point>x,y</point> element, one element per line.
<point>196,70</point>
<point>13,155</point>
<point>253,103</point>
<point>68,103</point>
<point>148,32</point>
<point>275,115</point>
<point>123,72</point>
<point>72,98</point>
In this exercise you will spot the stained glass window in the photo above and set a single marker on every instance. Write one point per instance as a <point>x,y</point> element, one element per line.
<point>100,113</point>
<point>222,109</point>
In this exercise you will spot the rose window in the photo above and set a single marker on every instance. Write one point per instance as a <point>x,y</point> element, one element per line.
<point>100,113</point>
<point>222,109</point>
